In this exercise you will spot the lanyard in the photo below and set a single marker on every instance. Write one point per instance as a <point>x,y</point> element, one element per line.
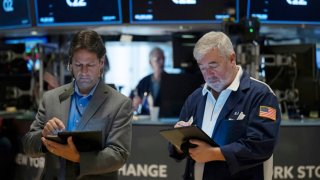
<point>77,106</point>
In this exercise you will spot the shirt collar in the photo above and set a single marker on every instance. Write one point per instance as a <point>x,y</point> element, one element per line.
<point>233,86</point>
<point>205,89</point>
<point>236,82</point>
<point>77,91</point>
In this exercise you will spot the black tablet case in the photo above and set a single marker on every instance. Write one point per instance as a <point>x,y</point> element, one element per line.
<point>181,135</point>
<point>84,140</point>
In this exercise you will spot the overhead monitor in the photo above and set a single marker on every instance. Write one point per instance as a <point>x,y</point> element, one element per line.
<point>318,58</point>
<point>14,14</point>
<point>182,11</point>
<point>285,11</point>
<point>77,12</point>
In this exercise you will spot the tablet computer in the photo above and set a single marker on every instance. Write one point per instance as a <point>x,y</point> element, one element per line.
<point>181,135</point>
<point>84,140</point>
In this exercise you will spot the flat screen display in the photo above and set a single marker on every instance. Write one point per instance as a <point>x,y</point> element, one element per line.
<point>182,11</point>
<point>318,58</point>
<point>182,46</point>
<point>285,11</point>
<point>77,12</point>
<point>14,14</point>
<point>292,76</point>
<point>175,89</point>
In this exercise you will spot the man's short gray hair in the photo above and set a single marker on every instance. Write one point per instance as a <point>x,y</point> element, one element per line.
<point>212,41</point>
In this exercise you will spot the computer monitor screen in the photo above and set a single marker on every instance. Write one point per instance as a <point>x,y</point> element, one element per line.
<point>80,12</point>
<point>285,11</point>
<point>182,11</point>
<point>318,59</point>
<point>29,43</point>
<point>290,70</point>
<point>175,88</point>
<point>182,46</point>
<point>302,56</point>
<point>15,14</point>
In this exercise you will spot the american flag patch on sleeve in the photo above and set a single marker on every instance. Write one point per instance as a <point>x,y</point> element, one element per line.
<point>267,112</point>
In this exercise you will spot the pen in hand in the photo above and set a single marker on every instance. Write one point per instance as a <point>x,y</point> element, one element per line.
<point>184,123</point>
<point>190,120</point>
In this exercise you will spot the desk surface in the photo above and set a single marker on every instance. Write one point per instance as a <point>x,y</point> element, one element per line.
<point>29,115</point>
<point>172,121</point>
<point>301,122</point>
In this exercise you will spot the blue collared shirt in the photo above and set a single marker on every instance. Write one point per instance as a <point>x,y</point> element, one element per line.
<point>79,103</point>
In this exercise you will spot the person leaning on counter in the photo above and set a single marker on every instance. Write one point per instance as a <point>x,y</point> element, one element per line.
<point>85,104</point>
<point>240,113</point>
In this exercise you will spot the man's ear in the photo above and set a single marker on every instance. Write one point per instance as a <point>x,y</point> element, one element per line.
<point>102,61</point>
<point>232,58</point>
<point>69,68</point>
<point>69,64</point>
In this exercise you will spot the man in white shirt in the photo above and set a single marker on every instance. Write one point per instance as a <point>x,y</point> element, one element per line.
<point>239,113</point>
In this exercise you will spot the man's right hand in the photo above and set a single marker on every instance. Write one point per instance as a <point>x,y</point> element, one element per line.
<point>53,126</point>
<point>182,124</point>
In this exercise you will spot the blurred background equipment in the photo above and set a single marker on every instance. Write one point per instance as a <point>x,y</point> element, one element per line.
<point>291,72</point>
<point>15,77</point>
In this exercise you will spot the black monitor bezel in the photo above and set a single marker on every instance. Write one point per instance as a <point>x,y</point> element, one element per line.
<point>177,21</point>
<point>281,21</point>
<point>15,26</point>
<point>82,23</point>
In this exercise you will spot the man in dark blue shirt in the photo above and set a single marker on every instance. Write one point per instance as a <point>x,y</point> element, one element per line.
<point>240,113</point>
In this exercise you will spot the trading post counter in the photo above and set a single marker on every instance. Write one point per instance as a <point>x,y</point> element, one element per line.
<point>296,155</point>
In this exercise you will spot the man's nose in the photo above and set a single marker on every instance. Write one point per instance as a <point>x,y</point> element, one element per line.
<point>209,71</point>
<point>84,69</point>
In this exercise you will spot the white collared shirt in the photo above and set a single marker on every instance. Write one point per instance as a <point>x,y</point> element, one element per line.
<point>212,110</point>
